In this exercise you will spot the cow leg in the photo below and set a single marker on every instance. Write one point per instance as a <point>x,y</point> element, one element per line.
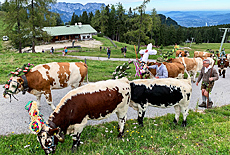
<point>73,86</point>
<point>48,97</point>
<point>38,100</point>
<point>219,72</point>
<point>141,113</point>
<point>194,76</point>
<point>177,114</point>
<point>76,141</point>
<point>121,124</point>
<point>184,111</point>
<point>223,73</point>
<point>78,128</point>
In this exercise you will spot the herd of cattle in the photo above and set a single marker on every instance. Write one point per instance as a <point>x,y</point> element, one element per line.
<point>101,99</point>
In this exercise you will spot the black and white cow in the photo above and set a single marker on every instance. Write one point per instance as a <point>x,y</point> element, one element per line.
<point>92,101</point>
<point>163,93</point>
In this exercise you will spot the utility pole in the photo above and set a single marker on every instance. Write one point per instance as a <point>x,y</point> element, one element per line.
<point>225,31</point>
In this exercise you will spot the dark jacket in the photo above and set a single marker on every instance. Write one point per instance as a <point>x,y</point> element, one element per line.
<point>206,75</point>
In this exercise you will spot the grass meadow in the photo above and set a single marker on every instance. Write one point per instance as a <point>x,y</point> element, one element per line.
<point>206,133</point>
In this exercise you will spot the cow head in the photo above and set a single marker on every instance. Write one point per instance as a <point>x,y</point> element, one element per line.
<point>14,86</point>
<point>48,139</point>
<point>222,63</point>
<point>187,53</point>
<point>47,136</point>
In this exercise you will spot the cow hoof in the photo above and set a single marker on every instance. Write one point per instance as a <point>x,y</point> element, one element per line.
<point>120,135</point>
<point>184,123</point>
<point>175,121</point>
<point>141,124</point>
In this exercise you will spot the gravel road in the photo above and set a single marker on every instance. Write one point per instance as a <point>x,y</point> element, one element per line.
<point>14,118</point>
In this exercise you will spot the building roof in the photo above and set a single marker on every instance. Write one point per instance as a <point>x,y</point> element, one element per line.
<point>69,30</point>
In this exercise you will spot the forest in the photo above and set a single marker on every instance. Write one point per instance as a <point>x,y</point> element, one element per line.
<point>133,26</point>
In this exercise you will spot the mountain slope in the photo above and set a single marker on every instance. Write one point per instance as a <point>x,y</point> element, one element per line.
<point>66,10</point>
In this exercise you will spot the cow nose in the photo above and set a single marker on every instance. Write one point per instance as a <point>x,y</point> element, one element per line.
<point>6,96</point>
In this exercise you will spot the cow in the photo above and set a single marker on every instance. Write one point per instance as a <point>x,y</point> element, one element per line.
<point>192,65</point>
<point>44,77</point>
<point>222,66</point>
<point>162,93</point>
<point>183,53</point>
<point>200,54</point>
<point>92,101</point>
<point>175,70</point>
<point>228,58</point>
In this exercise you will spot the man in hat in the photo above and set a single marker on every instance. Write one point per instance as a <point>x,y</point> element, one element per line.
<point>161,70</point>
<point>207,82</point>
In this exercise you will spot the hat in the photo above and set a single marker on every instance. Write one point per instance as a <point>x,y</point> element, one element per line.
<point>160,60</point>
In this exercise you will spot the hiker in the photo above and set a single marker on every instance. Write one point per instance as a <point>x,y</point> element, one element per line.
<point>207,82</point>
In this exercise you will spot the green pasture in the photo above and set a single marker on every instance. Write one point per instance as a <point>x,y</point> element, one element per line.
<point>206,133</point>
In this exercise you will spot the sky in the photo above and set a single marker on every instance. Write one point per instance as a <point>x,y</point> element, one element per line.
<point>164,5</point>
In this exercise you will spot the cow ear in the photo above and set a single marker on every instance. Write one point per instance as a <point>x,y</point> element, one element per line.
<point>53,131</point>
<point>20,80</point>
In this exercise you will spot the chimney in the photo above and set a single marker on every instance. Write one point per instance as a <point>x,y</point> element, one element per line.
<point>79,24</point>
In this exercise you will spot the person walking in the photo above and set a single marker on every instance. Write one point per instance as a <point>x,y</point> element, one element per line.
<point>65,50</point>
<point>52,49</point>
<point>208,75</point>
<point>108,53</point>
<point>125,50</point>
<point>161,70</point>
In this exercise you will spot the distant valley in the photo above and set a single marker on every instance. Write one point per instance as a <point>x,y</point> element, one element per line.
<point>199,18</point>
<point>183,18</point>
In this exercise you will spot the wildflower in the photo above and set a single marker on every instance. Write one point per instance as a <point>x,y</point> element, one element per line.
<point>131,119</point>
<point>134,127</point>
<point>12,131</point>
<point>176,137</point>
<point>127,130</point>
<point>127,140</point>
<point>28,142</point>
<point>151,136</point>
<point>178,151</point>
<point>114,127</point>
<point>106,130</point>
<point>10,145</point>
<point>142,136</point>
<point>26,146</point>
<point>111,131</point>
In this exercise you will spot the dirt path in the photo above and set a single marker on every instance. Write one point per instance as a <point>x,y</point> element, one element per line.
<point>89,43</point>
<point>14,117</point>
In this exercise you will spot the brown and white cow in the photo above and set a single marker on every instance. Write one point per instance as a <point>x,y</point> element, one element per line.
<point>199,54</point>
<point>183,53</point>
<point>44,77</point>
<point>175,70</point>
<point>92,101</point>
<point>192,65</point>
<point>222,66</point>
<point>162,93</point>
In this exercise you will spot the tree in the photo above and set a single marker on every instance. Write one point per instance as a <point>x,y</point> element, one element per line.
<point>95,22</point>
<point>15,20</point>
<point>198,38</point>
<point>85,18</point>
<point>141,10</point>
<point>154,34</point>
